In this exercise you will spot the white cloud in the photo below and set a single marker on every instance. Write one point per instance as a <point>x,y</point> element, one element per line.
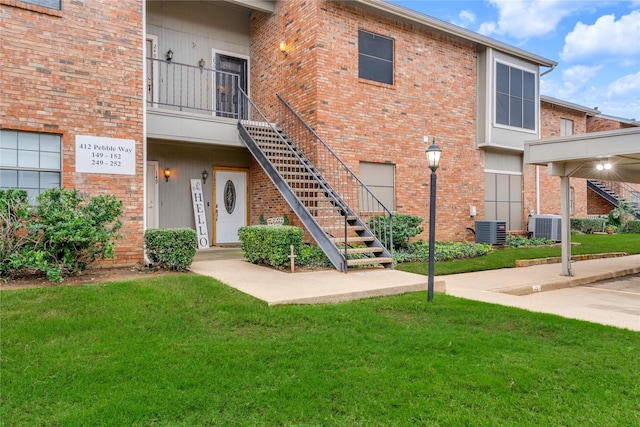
<point>576,78</point>
<point>606,39</point>
<point>627,86</point>
<point>465,18</point>
<point>527,18</point>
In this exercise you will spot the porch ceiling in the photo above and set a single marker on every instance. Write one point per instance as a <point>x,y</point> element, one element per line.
<point>261,5</point>
<point>578,155</point>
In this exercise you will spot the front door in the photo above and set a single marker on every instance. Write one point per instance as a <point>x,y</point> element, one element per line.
<point>231,76</point>
<point>230,210</point>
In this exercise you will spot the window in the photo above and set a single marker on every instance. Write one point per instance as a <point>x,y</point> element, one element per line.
<point>30,161</point>
<point>566,127</point>
<point>515,97</point>
<point>380,179</point>
<point>375,57</point>
<point>51,4</point>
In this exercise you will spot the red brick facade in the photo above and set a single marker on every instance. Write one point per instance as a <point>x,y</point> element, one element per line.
<point>434,94</point>
<point>83,80</point>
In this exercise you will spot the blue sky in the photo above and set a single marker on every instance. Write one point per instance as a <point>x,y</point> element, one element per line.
<point>595,43</point>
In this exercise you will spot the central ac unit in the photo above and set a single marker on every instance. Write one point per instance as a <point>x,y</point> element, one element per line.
<point>546,226</point>
<point>491,231</point>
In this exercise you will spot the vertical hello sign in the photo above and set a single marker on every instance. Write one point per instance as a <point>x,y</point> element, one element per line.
<point>199,214</point>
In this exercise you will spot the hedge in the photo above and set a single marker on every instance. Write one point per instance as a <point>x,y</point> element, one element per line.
<point>587,225</point>
<point>172,248</point>
<point>263,244</point>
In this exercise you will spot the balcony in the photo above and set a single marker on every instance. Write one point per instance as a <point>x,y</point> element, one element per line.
<point>191,103</point>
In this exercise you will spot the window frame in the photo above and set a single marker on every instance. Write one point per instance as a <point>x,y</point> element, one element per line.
<point>43,3</point>
<point>524,101</point>
<point>26,170</point>
<point>372,58</point>
<point>566,125</point>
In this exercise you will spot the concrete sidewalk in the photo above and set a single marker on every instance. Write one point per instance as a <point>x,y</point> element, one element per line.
<point>524,287</point>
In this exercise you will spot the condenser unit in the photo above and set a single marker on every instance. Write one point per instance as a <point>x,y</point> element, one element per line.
<point>546,226</point>
<point>491,231</point>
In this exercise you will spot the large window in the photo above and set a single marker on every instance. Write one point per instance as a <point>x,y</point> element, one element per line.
<point>375,57</point>
<point>51,4</point>
<point>515,97</point>
<point>30,161</point>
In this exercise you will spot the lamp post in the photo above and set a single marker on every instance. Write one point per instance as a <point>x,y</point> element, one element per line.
<point>433,161</point>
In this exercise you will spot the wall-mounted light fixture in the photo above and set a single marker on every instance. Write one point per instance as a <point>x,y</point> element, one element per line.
<point>205,175</point>
<point>167,174</point>
<point>283,48</point>
<point>169,55</point>
<point>201,63</point>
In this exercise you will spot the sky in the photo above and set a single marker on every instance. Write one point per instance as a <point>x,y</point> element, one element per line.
<point>595,43</point>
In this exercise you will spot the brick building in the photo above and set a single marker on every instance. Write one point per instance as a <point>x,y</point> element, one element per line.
<point>167,80</point>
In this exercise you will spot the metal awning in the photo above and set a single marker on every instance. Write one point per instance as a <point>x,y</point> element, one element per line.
<point>578,156</point>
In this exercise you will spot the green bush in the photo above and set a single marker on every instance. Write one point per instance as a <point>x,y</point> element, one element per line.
<point>172,248</point>
<point>404,227</point>
<point>587,225</point>
<point>443,251</point>
<point>74,231</point>
<point>516,241</point>
<point>633,227</point>
<point>313,256</point>
<point>267,245</point>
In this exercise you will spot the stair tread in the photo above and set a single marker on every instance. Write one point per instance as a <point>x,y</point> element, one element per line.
<point>367,261</point>
<point>368,250</point>
<point>352,239</point>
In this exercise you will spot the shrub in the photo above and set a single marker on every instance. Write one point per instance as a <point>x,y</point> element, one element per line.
<point>516,241</point>
<point>74,232</point>
<point>404,227</point>
<point>633,226</point>
<point>587,225</point>
<point>172,248</point>
<point>443,251</point>
<point>313,256</point>
<point>267,245</point>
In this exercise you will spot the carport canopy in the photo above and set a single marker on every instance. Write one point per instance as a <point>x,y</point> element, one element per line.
<point>578,156</point>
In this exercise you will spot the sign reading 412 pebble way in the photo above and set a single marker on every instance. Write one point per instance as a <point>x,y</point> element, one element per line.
<point>95,154</point>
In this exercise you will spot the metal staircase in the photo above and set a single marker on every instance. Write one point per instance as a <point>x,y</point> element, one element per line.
<point>616,192</point>
<point>342,215</point>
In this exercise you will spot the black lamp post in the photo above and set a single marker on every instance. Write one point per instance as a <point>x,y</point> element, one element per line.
<point>433,160</point>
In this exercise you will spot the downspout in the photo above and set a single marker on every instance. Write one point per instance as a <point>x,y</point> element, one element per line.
<point>537,189</point>
<point>549,70</point>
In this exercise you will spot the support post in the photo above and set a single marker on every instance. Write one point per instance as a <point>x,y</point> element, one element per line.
<point>566,226</point>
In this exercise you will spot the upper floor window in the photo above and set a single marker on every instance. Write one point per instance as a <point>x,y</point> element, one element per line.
<point>515,97</point>
<point>566,127</point>
<point>30,161</point>
<point>51,4</point>
<point>375,57</point>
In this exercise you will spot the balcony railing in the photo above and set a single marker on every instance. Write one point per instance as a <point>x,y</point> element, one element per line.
<point>188,88</point>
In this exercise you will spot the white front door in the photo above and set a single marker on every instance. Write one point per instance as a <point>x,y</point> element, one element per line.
<point>231,204</point>
<point>152,194</point>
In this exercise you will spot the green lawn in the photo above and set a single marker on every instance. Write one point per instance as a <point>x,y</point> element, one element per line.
<point>505,258</point>
<point>185,350</point>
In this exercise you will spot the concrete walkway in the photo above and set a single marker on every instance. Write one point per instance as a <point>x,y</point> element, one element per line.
<point>538,288</point>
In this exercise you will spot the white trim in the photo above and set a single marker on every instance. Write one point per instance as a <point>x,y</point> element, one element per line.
<point>215,52</point>
<point>502,172</point>
<point>156,76</point>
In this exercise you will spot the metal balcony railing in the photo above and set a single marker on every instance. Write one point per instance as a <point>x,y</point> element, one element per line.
<point>183,87</point>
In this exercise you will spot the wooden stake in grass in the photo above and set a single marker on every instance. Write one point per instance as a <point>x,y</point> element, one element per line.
<point>292,257</point>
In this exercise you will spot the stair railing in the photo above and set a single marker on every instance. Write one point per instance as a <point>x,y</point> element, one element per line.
<point>340,178</point>
<point>306,192</point>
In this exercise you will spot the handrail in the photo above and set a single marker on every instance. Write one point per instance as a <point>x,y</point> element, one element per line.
<point>353,192</point>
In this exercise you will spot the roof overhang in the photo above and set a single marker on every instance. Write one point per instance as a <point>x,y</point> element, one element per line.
<point>578,155</point>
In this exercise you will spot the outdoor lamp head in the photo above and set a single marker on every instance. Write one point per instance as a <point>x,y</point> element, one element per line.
<point>433,156</point>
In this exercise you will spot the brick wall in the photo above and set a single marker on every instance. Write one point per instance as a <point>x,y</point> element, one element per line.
<point>599,124</point>
<point>434,94</point>
<point>79,72</point>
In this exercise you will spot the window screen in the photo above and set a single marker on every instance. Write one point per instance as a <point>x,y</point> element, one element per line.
<point>515,97</point>
<point>375,57</point>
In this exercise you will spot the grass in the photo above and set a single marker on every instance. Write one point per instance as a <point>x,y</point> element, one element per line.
<point>185,350</point>
<point>506,258</point>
